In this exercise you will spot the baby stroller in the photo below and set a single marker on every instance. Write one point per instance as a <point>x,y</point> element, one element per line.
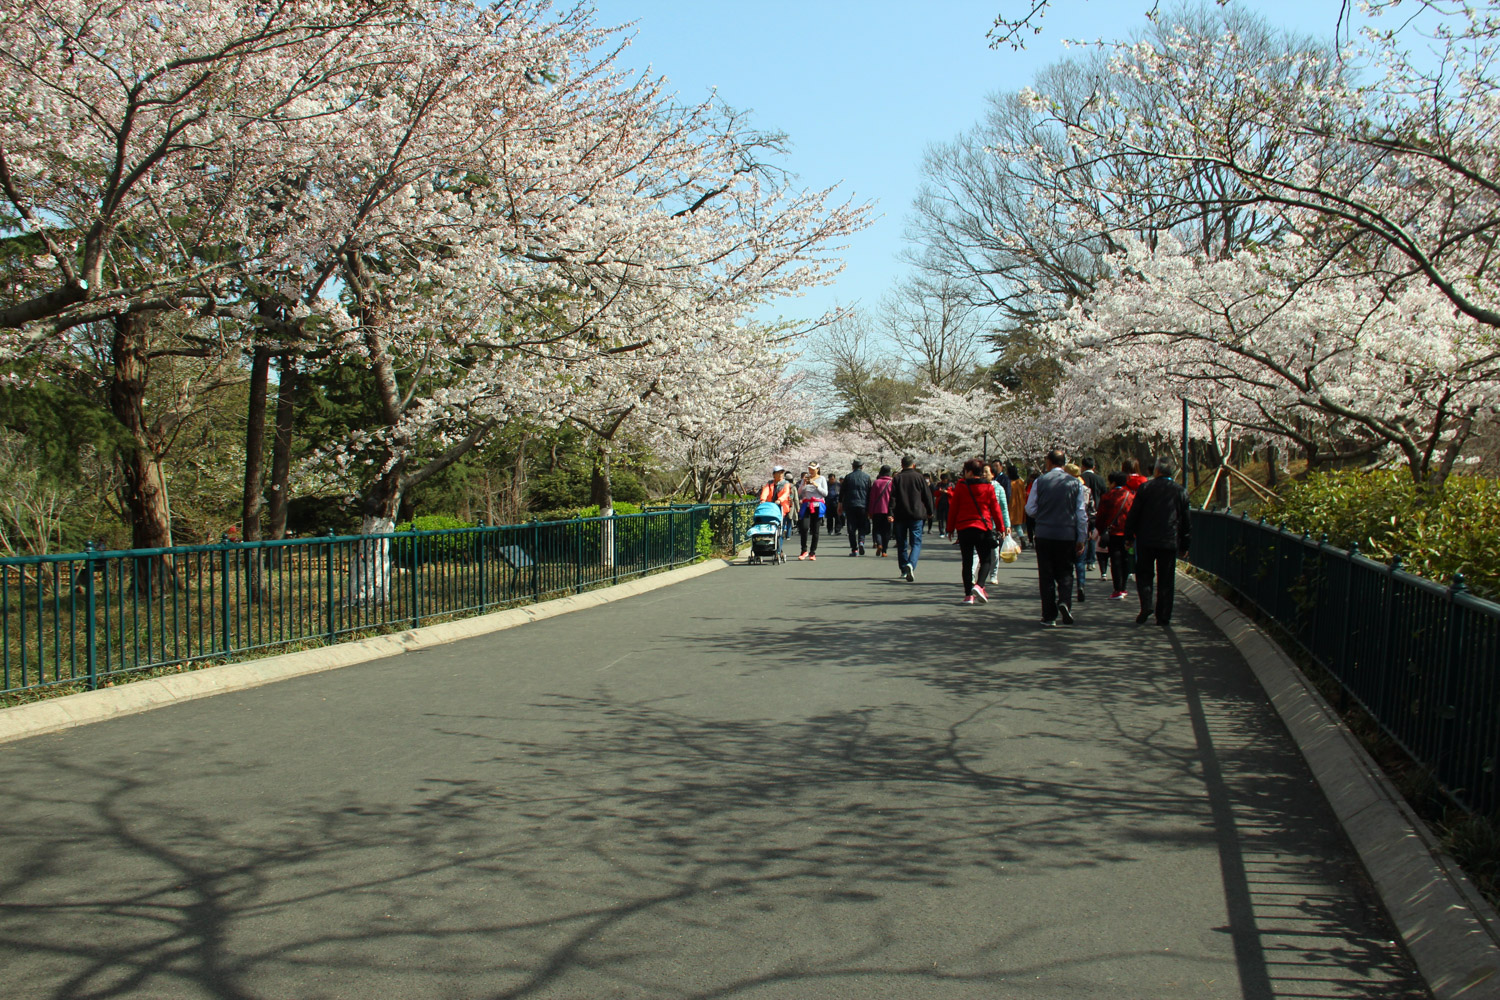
<point>765,535</point>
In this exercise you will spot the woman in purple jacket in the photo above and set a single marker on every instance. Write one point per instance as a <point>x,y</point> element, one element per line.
<point>880,510</point>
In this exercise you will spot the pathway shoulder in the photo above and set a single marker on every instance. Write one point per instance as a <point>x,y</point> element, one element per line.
<point>1446,925</point>
<point>64,712</point>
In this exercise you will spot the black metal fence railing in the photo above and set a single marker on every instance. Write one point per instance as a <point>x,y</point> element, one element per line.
<point>84,617</point>
<point>1423,660</point>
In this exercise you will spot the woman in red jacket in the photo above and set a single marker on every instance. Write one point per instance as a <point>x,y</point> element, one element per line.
<point>974,516</point>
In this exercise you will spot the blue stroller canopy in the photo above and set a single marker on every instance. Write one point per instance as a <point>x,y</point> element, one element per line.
<point>768,511</point>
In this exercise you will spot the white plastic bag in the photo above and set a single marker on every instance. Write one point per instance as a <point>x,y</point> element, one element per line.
<point>1010,549</point>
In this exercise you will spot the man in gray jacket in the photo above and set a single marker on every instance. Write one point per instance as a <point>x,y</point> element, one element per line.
<point>854,503</point>
<point>1062,526</point>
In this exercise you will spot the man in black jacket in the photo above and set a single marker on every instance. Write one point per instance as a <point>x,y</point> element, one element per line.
<point>854,503</point>
<point>911,507</point>
<point>1159,525</point>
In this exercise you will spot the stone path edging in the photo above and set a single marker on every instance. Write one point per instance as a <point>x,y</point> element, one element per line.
<point>51,715</point>
<point>1448,928</point>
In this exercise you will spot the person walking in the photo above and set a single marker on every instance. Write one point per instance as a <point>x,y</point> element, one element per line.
<point>1056,505</point>
<point>1113,510</point>
<point>1030,519</point>
<point>1097,488</point>
<point>974,516</point>
<point>932,494</point>
<point>780,491</point>
<point>880,510</point>
<point>1017,498</point>
<point>854,501</point>
<point>911,507</point>
<point>1086,557</point>
<point>812,503</point>
<point>940,494</point>
<point>835,490</point>
<point>1159,525</point>
<point>1000,496</point>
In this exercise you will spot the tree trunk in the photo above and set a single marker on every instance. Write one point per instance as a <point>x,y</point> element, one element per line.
<point>1271,476</point>
<point>370,561</point>
<point>281,448</point>
<point>601,493</point>
<point>255,449</point>
<point>518,478</point>
<point>255,444</point>
<point>140,460</point>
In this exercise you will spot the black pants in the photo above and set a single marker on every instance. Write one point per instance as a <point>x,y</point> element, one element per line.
<point>1160,563</point>
<point>880,530</point>
<point>971,540</point>
<point>1119,561</point>
<point>835,519</point>
<point>1056,568</point>
<point>809,524</point>
<point>859,526</point>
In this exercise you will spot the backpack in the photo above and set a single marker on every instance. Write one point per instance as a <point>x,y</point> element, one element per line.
<point>1127,500</point>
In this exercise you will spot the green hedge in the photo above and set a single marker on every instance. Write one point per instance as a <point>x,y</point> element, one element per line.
<point>436,547</point>
<point>1437,533</point>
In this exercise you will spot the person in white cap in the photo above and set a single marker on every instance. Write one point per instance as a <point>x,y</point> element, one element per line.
<point>813,505</point>
<point>780,491</point>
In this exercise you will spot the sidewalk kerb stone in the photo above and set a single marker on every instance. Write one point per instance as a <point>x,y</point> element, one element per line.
<point>1448,928</point>
<point>67,711</point>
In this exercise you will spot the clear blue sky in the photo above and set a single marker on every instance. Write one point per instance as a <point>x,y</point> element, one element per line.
<point>863,88</point>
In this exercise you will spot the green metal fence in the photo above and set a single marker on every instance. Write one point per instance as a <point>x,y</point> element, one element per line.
<point>1422,659</point>
<point>82,618</point>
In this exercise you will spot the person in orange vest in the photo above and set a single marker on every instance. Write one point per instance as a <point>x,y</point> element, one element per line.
<point>780,491</point>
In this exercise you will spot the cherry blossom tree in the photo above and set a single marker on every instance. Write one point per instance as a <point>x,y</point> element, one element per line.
<point>1397,163</point>
<point>468,203</point>
<point>1274,342</point>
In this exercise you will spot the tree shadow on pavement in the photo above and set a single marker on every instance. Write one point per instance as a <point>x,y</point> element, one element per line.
<point>956,837</point>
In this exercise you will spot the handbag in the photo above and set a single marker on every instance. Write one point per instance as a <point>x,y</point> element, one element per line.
<point>996,535</point>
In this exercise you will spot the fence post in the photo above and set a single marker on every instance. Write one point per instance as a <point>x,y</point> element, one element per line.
<point>536,562</point>
<point>1447,711</point>
<point>333,631</point>
<point>416,584</point>
<point>577,555</point>
<point>91,628</point>
<point>479,539</point>
<point>612,539</point>
<point>1343,664</point>
<point>671,536</point>
<point>224,591</point>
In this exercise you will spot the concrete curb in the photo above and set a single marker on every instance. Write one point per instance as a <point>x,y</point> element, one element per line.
<point>67,711</point>
<point>1449,929</point>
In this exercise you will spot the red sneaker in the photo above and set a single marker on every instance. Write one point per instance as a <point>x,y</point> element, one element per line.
<point>812,557</point>
<point>981,595</point>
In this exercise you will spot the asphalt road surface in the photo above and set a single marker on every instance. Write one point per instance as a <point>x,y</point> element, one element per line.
<point>795,782</point>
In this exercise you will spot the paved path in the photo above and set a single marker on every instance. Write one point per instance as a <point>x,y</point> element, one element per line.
<point>770,782</point>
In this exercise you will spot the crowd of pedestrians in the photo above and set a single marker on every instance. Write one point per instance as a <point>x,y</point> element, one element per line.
<point>1072,518</point>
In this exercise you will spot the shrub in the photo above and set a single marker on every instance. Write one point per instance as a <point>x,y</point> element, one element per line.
<point>437,547</point>
<point>1437,533</point>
